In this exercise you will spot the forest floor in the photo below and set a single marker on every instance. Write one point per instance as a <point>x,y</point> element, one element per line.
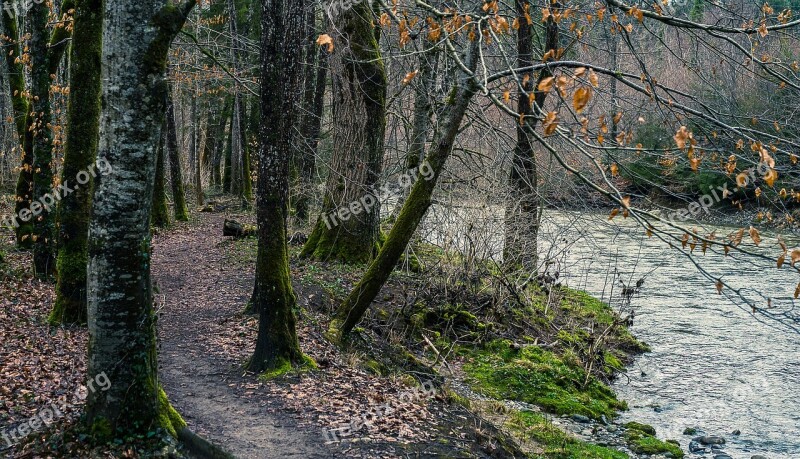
<point>442,366</point>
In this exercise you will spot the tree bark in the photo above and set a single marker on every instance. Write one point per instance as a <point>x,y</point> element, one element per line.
<point>359,114</point>
<point>80,151</point>
<point>277,346</point>
<point>21,106</point>
<point>160,217</point>
<point>522,204</point>
<point>181,212</point>
<point>122,334</point>
<point>44,62</point>
<point>355,305</point>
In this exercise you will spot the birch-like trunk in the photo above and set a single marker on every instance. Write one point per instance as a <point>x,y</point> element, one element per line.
<point>122,335</point>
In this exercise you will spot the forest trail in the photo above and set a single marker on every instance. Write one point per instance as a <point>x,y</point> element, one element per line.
<point>198,292</point>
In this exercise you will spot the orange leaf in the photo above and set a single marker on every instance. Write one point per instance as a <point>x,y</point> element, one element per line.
<point>581,98</point>
<point>325,39</point>
<point>755,236</point>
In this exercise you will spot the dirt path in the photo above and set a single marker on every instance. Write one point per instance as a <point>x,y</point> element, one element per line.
<point>199,293</point>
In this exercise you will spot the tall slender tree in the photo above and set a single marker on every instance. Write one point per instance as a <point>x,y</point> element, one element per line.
<point>80,152</point>
<point>522,203</point>
<point>273,298</point>
<point>359,114</point>
<point>160,217</point>
<point>176,175</point>
<point>122,335</point>
<point>44,62</point>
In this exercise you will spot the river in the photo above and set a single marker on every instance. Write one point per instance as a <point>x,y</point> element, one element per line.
<point>714,365</point>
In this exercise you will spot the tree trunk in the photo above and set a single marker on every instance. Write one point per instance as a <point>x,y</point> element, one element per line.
<point>44,62</point>
<point>423,112</point>
<point>17,89</point>
<point>122,333</point>
<point>196,165</point>
<point>160,218</point>
<point>247,182</point>
<point>359,114</point>
<point>305,161</point>
<point>226,172</point>
<point>353,308</point>
<point>522,203</point>
<point>80,151</point>
<point>277,346</point>
<point>175,172</point>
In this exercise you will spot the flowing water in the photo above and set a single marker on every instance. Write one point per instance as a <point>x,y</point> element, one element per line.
<point>714,365</point>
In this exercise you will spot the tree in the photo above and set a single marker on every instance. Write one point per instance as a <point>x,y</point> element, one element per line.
<point>122,336</point>
<point>160,218</point>
<point>21,106</point>
<point>522,203</point>
<point>175,172</point>
<point>277,346</point>
<point>350,312</point>
<point>359,115</point>
<point>80,151</point>
<point>44,62</point>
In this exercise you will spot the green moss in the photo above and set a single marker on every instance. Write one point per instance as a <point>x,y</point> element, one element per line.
<point>642,443</point>
<point>284,367</point>
<point>101,430</point>
<point>168,418</point>
<point>554,442</point>
<point>644,428</point>
<point>534,375</point>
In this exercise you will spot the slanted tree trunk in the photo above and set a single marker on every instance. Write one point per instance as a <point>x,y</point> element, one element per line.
<point>45,58</point>
<point>176,175</point>
<point>277,346</point>
<point>160,217</point>
<point>359,114</point>
<point>350,312</point>
<point>423,113</point>
<point>16,80</point>
<point>522,202</point>
<point>80,152</point>
<point>122,333</point>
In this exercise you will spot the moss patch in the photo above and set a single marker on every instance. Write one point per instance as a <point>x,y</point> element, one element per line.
<point>644,443</point>
<point>538,376</point>
<point>285,367</point>
<point>554,442</point>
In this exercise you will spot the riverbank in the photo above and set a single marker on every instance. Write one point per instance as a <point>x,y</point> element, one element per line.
<point>517,373</point>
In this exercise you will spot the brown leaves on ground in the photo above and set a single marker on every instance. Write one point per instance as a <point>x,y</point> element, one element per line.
<point>40,365</point>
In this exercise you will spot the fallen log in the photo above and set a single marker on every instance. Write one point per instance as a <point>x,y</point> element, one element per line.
<point>237,230</point>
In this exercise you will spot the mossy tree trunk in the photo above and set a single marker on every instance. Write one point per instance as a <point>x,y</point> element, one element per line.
<point>17,89</point>
<point>313,103</point>
<point>350,312</point>
<point>277,343</point>
<point>359,115</point>
<point>181,212</point>
<point>122,333</point>
<point>45,58</point>
<point>80,152</point>
<point>160,217</point>
<point>522,202</point>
